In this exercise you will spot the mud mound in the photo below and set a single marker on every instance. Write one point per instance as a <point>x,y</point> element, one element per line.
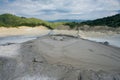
<point>59,57</point>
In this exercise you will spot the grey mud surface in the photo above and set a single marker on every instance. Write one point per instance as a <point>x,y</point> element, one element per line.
<point>59,58</point>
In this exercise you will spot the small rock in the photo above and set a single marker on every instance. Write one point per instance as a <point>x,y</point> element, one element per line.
<point>106,43</point>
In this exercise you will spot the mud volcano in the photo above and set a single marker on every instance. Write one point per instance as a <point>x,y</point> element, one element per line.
<point>59,57</point>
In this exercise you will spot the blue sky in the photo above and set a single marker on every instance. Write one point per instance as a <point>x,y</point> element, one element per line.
<point>61,9</point>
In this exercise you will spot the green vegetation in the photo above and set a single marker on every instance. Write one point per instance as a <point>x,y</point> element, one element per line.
<point>9,20</point>
<point>111,21</point>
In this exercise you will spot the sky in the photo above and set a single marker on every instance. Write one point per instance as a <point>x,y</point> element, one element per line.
<point>61,9</point>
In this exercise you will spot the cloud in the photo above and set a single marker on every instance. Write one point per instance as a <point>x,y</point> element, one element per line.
<point>61,9</point>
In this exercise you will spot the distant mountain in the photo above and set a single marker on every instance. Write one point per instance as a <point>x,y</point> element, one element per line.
<point>111,21</point>
<point>66,20</point>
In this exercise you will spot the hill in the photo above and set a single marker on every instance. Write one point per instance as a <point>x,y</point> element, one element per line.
<point>10,20</point>
<point>111,21</point>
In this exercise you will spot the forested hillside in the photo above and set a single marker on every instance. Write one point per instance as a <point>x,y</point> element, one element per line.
<point>111,21</point>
